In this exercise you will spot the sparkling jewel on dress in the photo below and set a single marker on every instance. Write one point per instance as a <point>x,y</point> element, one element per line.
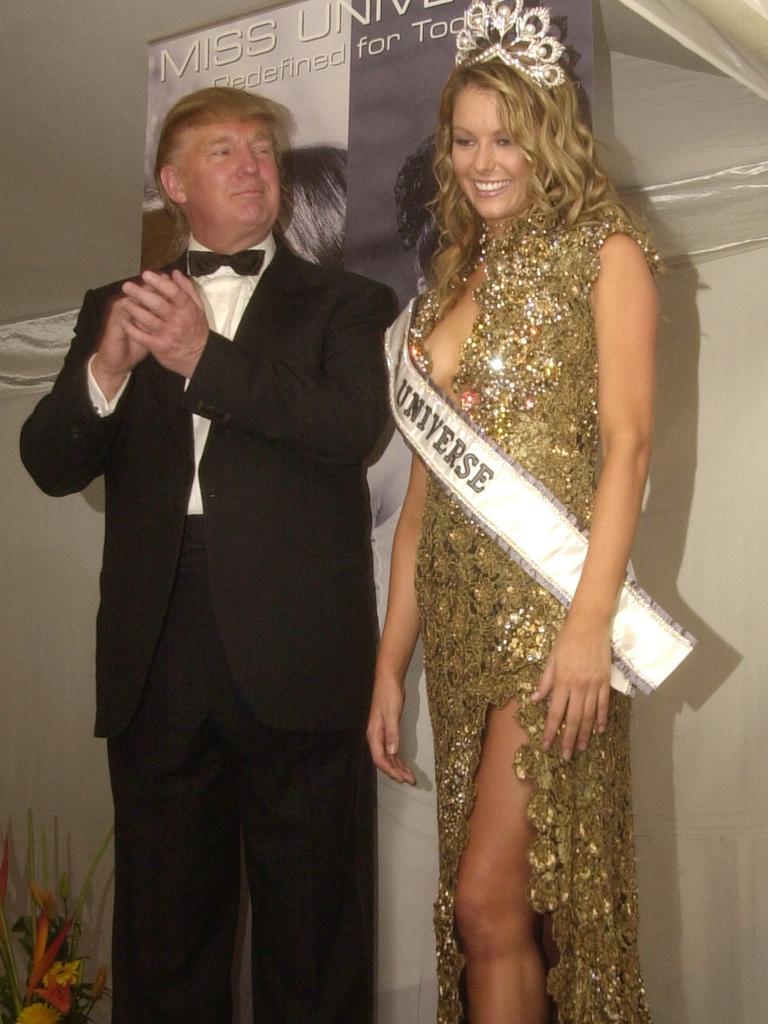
<point>469,399</point>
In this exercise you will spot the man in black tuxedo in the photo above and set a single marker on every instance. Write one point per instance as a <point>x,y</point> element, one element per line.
<point>229,409</point>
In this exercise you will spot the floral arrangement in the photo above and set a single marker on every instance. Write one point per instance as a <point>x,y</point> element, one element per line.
<point>55,988</point>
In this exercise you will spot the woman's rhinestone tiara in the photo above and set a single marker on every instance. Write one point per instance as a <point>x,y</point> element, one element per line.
<point>518,37</point>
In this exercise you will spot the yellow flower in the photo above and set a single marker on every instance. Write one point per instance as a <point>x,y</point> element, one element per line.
<point>63,974</point>
<point>38,1014</point>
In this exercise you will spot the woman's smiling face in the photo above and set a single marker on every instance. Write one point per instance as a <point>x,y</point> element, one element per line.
<point>490,167</point>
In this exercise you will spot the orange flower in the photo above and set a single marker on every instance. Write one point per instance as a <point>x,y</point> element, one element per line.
<point>44,899</point>
<point>59,996</point>
<point>99,984</point>
<point>43,958</point>
<point>42,930</point>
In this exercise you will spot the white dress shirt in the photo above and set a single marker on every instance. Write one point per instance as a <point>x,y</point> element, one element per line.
<point>225,295</point>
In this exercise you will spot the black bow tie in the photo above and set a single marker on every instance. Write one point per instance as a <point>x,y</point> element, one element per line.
<point>247,262</point>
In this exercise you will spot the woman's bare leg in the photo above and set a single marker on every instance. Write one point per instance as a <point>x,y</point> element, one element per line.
<point>499,931</point>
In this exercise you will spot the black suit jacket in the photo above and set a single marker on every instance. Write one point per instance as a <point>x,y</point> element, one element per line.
<point>297,400</point>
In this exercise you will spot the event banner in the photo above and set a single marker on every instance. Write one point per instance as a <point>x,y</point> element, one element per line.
<point>362,79</point>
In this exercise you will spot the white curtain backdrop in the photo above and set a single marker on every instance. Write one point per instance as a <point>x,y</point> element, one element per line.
<point>686,24</point>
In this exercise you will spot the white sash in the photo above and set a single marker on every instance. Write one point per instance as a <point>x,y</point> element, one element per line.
<point>523,517</point>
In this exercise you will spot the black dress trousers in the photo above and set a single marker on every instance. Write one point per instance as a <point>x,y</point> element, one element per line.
<point>193,773</point>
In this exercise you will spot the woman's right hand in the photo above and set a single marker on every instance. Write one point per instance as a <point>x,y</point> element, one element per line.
<point>384,730</point>
<point>398,638</point>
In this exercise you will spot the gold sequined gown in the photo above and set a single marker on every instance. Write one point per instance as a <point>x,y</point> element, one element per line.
<point>528,377</point>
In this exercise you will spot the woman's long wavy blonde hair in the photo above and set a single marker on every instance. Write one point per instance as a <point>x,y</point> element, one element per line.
<point>565,177</point>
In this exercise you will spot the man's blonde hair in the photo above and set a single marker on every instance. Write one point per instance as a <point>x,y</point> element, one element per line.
<point>209,106</point>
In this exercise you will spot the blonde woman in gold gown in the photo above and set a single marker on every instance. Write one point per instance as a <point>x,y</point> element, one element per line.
<point>541,326</point>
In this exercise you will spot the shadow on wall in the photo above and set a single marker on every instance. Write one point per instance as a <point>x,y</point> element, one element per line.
<point>664,526</point>
<point>658,555</point>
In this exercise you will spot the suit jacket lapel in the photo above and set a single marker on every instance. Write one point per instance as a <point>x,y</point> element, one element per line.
<point>282,280</point>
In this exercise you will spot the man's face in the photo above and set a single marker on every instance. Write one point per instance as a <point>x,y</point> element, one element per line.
<point>224,177</point>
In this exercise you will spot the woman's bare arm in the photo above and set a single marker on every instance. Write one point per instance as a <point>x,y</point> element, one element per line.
<point>401,630</point>
<point>576,677</point>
